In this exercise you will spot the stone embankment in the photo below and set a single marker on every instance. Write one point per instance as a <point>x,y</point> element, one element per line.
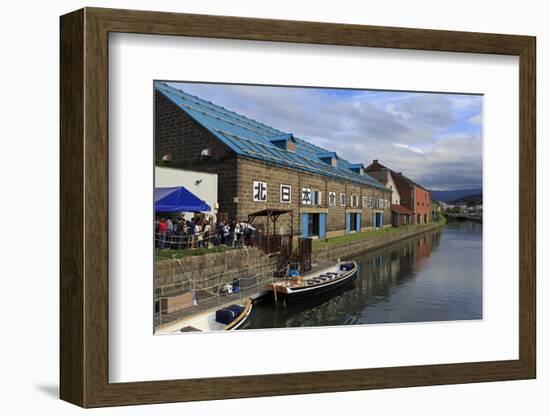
<point>354,248</point>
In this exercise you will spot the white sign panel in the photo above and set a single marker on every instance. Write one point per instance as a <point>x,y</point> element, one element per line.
<point>259,191</point>
<point>306,196</point>
<point>286,194</point>
<point>332,199</point>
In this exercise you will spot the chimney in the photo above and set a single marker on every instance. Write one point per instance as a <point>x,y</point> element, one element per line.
<point>375,161</point>
<point>400,173</point>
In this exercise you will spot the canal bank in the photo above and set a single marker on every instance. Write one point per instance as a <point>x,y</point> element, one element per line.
<point>330,251</point>
<point>170,273</point>
<point>192,284</point>
<point>431,276</point>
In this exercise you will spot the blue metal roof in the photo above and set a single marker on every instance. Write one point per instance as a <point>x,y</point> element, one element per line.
<point>252,139</point>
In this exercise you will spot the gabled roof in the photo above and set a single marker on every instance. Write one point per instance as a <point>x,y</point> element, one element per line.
<point>252,139</point>
<point>375,166</point>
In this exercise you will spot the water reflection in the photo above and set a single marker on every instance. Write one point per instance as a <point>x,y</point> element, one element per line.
<point>434,277</point>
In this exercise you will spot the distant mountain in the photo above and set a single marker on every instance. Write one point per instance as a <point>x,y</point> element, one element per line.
<point>448,196</point>
<point>468,200</point>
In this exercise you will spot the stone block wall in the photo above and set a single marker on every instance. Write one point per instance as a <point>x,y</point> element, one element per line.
<point>275,176</point>
<point>349,250</point>
<point>201,269</point>
<point>184,139</point>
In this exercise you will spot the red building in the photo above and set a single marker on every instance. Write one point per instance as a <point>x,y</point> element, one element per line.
<point>412,196</point>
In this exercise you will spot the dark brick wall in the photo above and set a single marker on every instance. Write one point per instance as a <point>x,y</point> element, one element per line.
<point>179,135</point>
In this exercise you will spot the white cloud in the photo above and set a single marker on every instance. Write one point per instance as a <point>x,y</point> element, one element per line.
<point>475,119</point>
<point>433,138</point>
<point>406,146</point>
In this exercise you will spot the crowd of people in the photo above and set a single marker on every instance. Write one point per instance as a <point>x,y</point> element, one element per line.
<point>181,234</point>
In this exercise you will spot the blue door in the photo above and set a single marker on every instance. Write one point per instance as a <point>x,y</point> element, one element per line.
<point>378,220</point>
<point>374,221</point>
<point>304,225</point>
<point>322,225</point>
<point>358,223</point>
<point>348,225</point>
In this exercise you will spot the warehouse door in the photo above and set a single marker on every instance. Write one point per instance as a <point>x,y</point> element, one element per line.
<point>322,225</point>
<point>304,225</point>
<point>313,225</point>
<point>354,221</point>
<point>378,219</point>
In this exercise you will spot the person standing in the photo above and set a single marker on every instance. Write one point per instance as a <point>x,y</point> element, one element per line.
<point>248,233</point>
<point>206,231</point>
<point>238,233</point>
<point>169,233</point>
<point>157,235</point>
<point>191,232</point>
<point>198,234</point>
<point>163,229</point>
<point>179,233</point>
<point>219,233</point>
<point>232,234</point>
<point>226,233</point>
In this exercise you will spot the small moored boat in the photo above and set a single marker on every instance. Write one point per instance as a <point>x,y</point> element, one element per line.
<point>227,318</point>
<point>298,286</point>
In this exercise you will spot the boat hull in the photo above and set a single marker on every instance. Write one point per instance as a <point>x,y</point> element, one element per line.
<point>242,318</point>
<point>290,294</point>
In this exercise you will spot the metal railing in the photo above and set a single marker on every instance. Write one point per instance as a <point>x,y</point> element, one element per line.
<point>214,291</point>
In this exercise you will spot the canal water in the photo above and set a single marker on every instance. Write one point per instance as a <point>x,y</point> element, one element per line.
<point>433,277</point>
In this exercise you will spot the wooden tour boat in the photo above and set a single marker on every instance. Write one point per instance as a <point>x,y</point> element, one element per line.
<point>298,286</point>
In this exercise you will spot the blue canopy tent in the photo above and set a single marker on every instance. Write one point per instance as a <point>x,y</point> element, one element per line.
<point>178,199</point>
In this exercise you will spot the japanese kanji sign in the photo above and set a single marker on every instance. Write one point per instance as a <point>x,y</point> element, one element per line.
<point>259,191</point>
<point>285,194</point>
<point>306,196</point>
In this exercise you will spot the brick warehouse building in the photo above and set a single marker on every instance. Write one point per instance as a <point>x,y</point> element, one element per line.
<point>414,197</point>
<point>260,167</point>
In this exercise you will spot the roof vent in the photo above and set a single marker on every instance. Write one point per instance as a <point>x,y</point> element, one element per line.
<point>330,158</point>
<point>357,168</point>
<point>284,141</point>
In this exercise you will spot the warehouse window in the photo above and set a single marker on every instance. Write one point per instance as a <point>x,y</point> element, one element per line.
<point>342,199</point>
<point>316,198</point>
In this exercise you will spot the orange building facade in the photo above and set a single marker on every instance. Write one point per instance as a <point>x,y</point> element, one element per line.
<point>413,197</point>
<point>421,205</point>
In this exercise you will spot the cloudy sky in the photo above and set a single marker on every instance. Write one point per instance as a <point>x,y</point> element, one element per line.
<point>435,139</point>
